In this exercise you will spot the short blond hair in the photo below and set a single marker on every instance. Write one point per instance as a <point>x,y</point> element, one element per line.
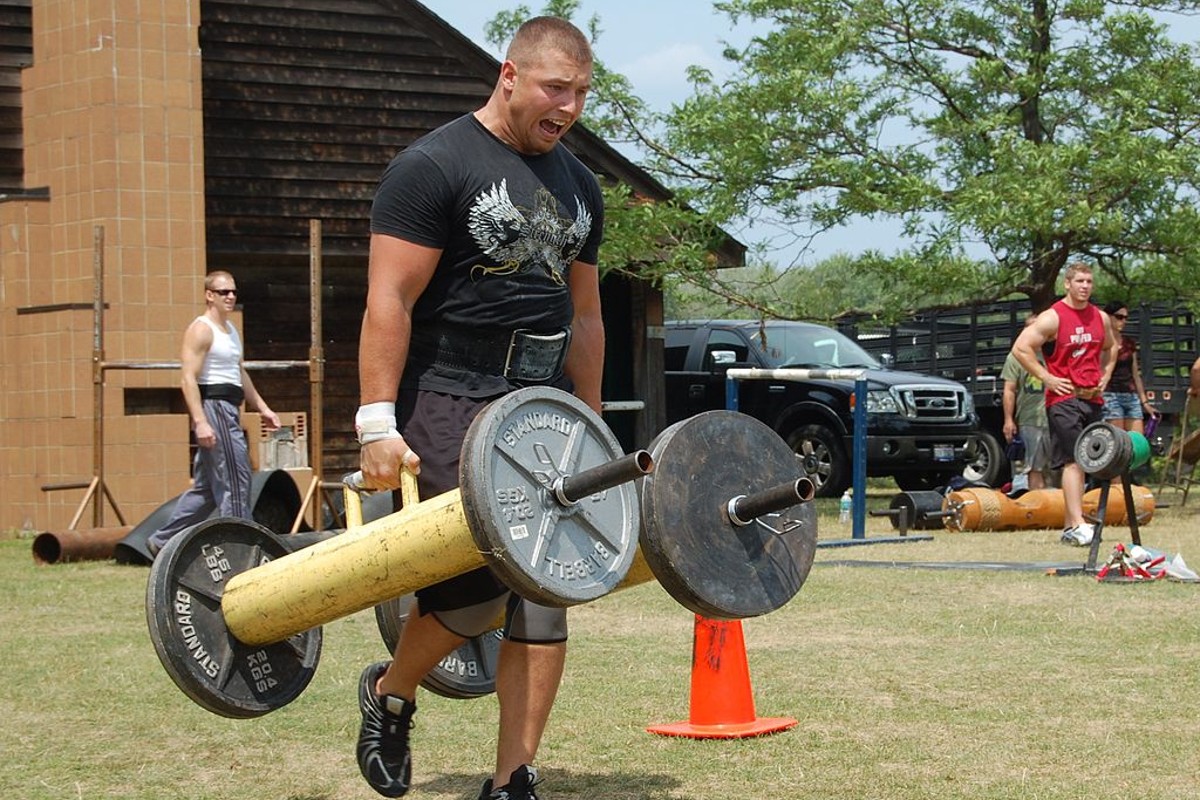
<point>211,278</point>
<point>548,33</point>
<point>1076,267</point>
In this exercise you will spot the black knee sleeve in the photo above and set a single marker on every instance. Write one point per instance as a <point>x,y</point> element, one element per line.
<point>531,623</point>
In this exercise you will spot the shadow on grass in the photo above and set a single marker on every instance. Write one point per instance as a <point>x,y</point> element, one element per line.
<point>563,784</point>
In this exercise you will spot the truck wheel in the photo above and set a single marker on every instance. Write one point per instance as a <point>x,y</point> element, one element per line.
<point>822,457</point>
<point>989,465</point>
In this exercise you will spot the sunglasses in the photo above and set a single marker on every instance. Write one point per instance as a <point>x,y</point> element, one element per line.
<point>1120,316</point>
<point>224,292</point>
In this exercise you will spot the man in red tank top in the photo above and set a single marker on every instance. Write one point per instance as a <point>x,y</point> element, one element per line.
<point>1075,374</point>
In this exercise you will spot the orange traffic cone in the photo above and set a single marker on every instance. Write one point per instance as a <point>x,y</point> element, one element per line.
<point>722,705</point>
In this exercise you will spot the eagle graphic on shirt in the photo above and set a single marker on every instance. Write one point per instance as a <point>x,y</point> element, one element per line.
<point>526,239</point>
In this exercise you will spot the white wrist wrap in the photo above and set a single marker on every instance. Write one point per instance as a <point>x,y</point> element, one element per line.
<point>376,421</point>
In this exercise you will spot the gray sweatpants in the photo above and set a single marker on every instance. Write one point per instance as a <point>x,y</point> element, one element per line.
<point>220,476</point>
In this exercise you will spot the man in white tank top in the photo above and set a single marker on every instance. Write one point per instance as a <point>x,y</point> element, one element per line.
<point>214,384</point>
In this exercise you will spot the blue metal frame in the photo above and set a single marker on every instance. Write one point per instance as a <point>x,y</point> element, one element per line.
<point>858,501</point>
<point>858,479</point>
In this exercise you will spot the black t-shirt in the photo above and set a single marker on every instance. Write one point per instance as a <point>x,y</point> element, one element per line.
<point>509,227</point>
<point>1122,374</point>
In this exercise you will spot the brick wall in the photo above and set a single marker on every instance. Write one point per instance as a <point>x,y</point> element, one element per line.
<point>113,131</point>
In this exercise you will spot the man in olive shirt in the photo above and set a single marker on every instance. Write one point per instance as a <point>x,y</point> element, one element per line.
<point>1025,413</point>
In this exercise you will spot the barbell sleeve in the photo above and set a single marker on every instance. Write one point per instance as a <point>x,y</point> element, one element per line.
<point>570,489</point>
<point>744,509</point>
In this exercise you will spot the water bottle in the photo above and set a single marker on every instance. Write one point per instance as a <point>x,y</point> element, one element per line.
<point>844,508</point>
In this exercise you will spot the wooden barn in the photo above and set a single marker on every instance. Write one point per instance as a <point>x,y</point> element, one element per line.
<point>149,141</point>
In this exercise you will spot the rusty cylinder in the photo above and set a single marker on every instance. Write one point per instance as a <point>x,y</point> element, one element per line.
<point>87,544</point>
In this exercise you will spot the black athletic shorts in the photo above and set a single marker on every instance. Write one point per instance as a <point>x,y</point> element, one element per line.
<point>1067,419</point>
<point>434,426</point>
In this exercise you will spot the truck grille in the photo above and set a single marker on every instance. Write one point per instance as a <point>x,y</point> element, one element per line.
<point>931,403</point>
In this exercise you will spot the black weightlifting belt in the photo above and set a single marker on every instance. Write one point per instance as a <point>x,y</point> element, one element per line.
<point>520,355</point>
<point>222,391</point>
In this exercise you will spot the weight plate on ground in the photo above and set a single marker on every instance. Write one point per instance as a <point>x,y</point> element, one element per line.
<point>183,611</point>
<point>1103,450</point>
<point>917,505</point>
<point>468,672</point>
<point>711,566</point>
<point>553,554</point>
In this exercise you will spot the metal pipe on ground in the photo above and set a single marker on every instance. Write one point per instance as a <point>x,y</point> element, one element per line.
<point>86,544</point>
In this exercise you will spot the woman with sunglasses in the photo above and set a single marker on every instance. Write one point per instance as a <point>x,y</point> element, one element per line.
<point>1125,401</point>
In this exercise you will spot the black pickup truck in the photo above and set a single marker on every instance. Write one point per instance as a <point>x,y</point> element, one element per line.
<point>921,430</point>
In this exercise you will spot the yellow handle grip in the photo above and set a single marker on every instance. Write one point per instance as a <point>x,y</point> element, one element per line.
<point>353,488</point>
<point>408,487</point>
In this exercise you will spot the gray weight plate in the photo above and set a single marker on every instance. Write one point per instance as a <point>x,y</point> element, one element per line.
<point>709,565</point>
<point>1103,450</point>
<point>183,611</point>
<point>468,672</point>
<point>554,554</point>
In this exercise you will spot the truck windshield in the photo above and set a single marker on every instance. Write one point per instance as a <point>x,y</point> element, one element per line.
<point>812,347</point>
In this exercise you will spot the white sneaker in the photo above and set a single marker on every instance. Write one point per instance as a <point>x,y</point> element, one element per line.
<point>1079,535</point>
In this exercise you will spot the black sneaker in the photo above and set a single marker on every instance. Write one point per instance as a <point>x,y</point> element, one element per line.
<point>519,787</point>
<point>383,755</point>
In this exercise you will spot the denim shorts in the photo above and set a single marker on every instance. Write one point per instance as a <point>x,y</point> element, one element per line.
<point>1122,405</point>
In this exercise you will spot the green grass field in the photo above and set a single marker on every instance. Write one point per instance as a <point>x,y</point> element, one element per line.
<point>906,684</point>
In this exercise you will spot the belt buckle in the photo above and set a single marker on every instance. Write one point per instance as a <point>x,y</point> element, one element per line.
<point>533,356</point>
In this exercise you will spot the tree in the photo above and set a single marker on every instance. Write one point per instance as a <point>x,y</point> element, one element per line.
<point>1008,136</point>
<point>1039,131</point>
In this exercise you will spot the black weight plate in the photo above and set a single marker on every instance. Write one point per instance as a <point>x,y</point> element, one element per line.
<point>918,504</point>
<point>183,611</point>
<point>711,566</point>
<point>1103,450</point>
<point>468,672</point>
<point>552,554</point>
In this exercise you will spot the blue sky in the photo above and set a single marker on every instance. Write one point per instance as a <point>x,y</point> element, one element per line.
<point>653,42</point>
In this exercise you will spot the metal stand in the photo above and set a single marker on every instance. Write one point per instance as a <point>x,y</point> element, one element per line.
<point>97,486</point>
<point>316,377</point>
<point>1135,534</point>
